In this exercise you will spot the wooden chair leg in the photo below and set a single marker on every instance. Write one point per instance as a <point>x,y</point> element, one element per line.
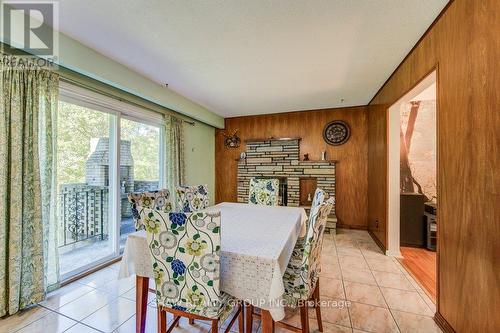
<point>162,321</point>
<point>304,318</point>
<point>249,317</point>
<point>318,307</point>
<point>241,320</point>
<point>215,326</point>
<point>267,322</point>
<point>191,321</point>
<point>141,302</point>
<point>174,324</point>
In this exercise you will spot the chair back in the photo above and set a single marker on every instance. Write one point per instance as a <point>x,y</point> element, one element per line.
<point>185,255</point>
<point>159,200</point>
<point>318,199</point>
<point>264,192</point>
<point>192,198</point>
<point>313,242</point>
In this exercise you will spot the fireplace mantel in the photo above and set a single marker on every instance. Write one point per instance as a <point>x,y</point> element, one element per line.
<point>272,139</point>
<point>279,157</point>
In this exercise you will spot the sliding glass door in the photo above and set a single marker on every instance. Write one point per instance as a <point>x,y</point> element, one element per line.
<point>139,169</point>
<point>84,161</point>
<point>105,150</point>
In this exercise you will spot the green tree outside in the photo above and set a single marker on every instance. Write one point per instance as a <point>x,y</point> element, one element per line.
<point>77,126</point>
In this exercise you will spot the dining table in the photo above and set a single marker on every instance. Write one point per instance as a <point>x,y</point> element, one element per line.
<point>256,245</point>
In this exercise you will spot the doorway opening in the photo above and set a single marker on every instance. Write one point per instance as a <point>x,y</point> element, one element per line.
<point>413,192</point>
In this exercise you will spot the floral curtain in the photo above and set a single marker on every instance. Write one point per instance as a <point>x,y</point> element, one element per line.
<point>174,152</point>
<point>28,257</point>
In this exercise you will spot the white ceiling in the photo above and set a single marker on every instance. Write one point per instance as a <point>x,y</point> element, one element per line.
<point>243,57</point>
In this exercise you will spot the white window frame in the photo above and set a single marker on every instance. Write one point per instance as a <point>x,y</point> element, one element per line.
<point>93,100</point>
<point>84,97</point>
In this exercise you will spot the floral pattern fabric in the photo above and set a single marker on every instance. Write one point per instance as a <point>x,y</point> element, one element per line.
<point>298,251</point>
<point>174,168</point>
<point>185,255</point>
<point>192,198</point>
<point>319,198</point>
<point>159,200</point>
<point>264,192</point>
<point>303,269</point>
<point>28,242</point>
<point>242,252</point>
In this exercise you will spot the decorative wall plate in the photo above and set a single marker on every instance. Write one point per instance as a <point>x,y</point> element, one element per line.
<point>336,133</point>
<point>231,140</point>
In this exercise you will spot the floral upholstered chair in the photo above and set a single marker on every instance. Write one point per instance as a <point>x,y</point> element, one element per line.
<point>304,266</point>
<point>302,273</point>
<point>264,192</point>
<point>192,198</point>
<point>159,199</point>
<point>318,199</point>
<point>185,255</point>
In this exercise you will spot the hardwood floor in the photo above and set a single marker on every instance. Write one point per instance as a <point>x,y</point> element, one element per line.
<point>422,265</point>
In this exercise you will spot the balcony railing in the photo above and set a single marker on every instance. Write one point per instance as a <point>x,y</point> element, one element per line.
<point>83,213</point>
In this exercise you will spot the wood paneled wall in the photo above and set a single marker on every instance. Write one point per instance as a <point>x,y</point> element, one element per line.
<point>377,173</point>
<point>464,45</point>
<point>352,173</point>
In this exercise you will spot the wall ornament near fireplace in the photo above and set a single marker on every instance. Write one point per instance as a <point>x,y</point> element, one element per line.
<point>231,140</point>
<point>336,133</point>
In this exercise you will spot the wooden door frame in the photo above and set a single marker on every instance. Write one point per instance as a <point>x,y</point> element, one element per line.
<point>390,251</point>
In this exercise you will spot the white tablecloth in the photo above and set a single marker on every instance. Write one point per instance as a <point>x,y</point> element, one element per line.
<point>256,245</point>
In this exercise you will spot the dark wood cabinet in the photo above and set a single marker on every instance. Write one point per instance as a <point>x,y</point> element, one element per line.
<point>412,228</point>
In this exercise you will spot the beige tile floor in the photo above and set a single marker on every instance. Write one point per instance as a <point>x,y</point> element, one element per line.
<point>365,290</point>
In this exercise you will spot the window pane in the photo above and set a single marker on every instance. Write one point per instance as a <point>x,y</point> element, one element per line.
<point>139,168</point>
<point>83,164</point>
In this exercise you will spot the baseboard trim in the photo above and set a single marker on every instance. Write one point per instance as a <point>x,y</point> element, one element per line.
<point>355,227</point>
<point>377,241</point>
<point>443,324</point>
<point>90,271</point>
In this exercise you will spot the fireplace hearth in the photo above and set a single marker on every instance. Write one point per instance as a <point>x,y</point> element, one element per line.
<point>283,189</point>
<point>279,158</point>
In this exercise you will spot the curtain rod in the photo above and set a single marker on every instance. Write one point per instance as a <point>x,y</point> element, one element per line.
<point>83,85</point>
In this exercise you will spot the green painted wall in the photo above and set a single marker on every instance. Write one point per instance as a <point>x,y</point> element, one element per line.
<point>199,142</point>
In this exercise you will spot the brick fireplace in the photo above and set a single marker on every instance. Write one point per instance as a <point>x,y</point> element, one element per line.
<point>279,158</point>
